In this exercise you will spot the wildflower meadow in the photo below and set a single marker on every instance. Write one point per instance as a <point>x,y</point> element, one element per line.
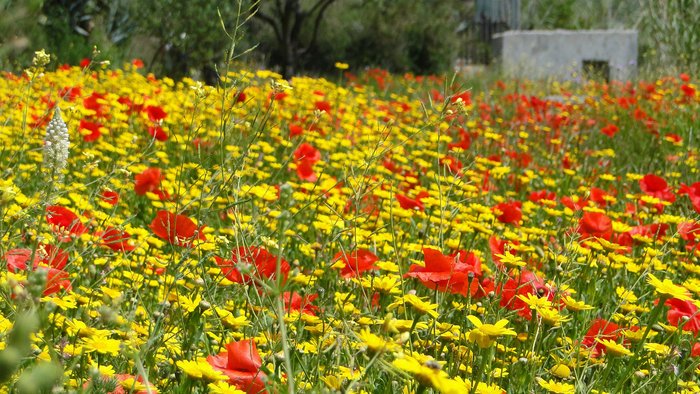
<point>369,233</point>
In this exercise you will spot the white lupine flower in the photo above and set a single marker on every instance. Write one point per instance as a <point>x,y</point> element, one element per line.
<point>56,144</point>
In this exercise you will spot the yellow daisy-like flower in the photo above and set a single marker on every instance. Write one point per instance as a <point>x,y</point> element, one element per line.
<point>376,344</point>
<point>668,288</point>
<point>658,348</point>
<point>221,387</point>
<point>101,345</point>
<point>552,316</point>
<point>636,336</point>
<point>534,302</point>
<point>485,334</point>
<point>200,369</point>
<point>575,305</point>
<point>510,260</point>
<point>556,387</point>
<point>613,348</point>
<point>416,302</point>
<point>133,386</point>
<point>428,374</point>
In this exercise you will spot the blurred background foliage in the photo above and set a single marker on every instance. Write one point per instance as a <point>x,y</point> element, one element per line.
<point>186,37</point>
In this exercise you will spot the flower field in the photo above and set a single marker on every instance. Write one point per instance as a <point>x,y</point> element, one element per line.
<point>380,234</point>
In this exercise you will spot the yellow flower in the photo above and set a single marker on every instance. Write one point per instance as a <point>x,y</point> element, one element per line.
<point>575,306</point>
<point>658,348</point>
<point>416,302</point>
<point>221,387</point>
<point>534,302</point>
<point>485,334</point>
<point>132,385</point>
<point>557,387</point>
<point>428,374</point>
<point>385,284</point>
<point>613,348</point>
<point>510,260</point>
<point>667,288</point>
<point>376,344</point>
<point>341,66</point>
<point>561,371</point>
<point>101,345</point>
<point>552,316</point>
<point>200,369</point>
<point>636,336</point>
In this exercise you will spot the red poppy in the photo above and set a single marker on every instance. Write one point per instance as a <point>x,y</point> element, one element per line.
<point>356,262</point>
<point>509,212</point>
<point>157,132</point>
<point>537,196</point>
<point>601,329</point>
<point>654,230</point>
<point>56,280</point>
<point>46,255</point>
<point>176,229</point>
<point>690,232</point>
<point>695,351</point>
<point>241,363</point>
<point>116,239</point>
<point>452,163</point>
<point>412,203</point>
<point>610,130</point>
<point>324,106</point>
<point>47,258</point>
<point>70,93</point>
<point>305,156</point>
<point>693,193</point>
<point>92,127</point>
<point>110,197</point>
<point>688,90</point>
<point>278,96</point>
<point>295,302</point>
<point>258,261</point>
<point>464,141</point>
<point>448,272</point>
<point>64,220</point>
<point>84,62</point>
<point>137,63</point>
<point>305,171</point>
<point>598,196</point>
<point>148,181</point>
<point>524,283</point>
<point>656,186</point>
<point>465,97</point>
<point>95,102</point>
<point>295,130</point>
<point>155,113</point>
<point>683,313</point>
<point>307,152</point>
<point>595,224</point>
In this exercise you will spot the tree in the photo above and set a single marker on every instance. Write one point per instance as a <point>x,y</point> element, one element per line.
<point>287,18</point>
<point>188,34</point>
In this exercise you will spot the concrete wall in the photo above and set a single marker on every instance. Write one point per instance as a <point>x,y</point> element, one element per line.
<point>561,53</point>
